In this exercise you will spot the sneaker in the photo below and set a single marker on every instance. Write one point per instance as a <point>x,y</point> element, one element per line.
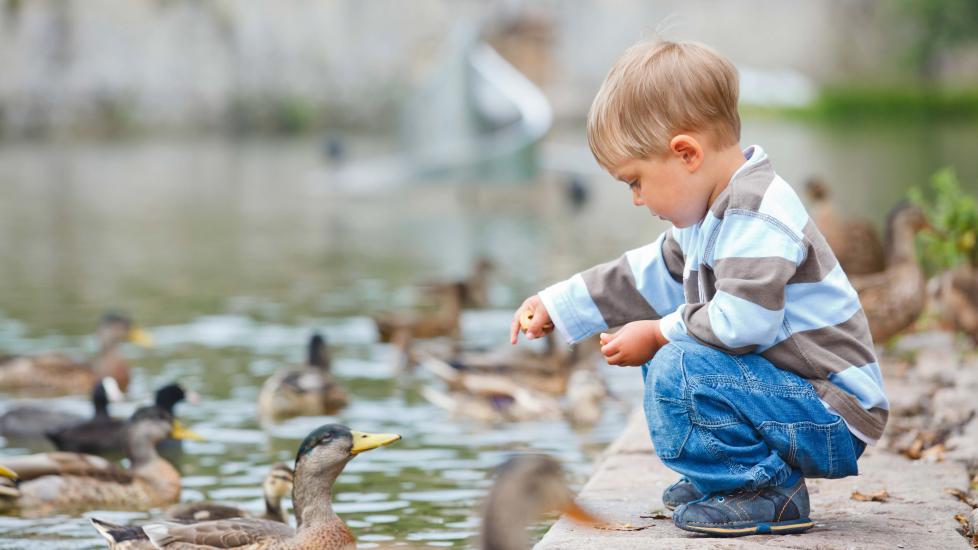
<point>769,510</point>
<point>680,492</point>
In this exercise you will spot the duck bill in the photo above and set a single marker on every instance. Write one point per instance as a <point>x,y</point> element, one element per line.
<point>140,337</point>
<point>179,432</point>
<point>364,441</point>
<point>8,473</point>
<point>579,515</point>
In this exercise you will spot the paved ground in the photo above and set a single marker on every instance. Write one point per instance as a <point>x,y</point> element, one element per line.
<point>629,480</point>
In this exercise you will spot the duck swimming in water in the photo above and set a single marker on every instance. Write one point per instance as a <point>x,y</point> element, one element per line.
<point>59,482</point>
<point>321,458</point>
<point>58,374</point>
<point>309,390</point>
<point>33,421</point>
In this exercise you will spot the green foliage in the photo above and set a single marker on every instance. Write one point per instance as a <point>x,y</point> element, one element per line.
<point>953,215</point>
<point>938,25</point>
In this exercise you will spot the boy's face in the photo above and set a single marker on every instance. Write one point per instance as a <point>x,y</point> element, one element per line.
<point>667,187</point>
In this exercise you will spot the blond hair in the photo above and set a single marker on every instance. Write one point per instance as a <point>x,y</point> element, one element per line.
<point>659,89</point>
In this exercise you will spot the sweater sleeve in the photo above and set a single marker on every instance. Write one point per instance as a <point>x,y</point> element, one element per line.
<point>753,258</point>
<point>645,283</point>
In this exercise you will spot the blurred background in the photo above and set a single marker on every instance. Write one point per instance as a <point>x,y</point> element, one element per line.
<point>236,175</point>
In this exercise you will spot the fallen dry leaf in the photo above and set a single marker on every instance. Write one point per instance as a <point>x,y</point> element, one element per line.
<point>933,454</point>
<point>623,527</point>
<point>879,496</point>
<point>656,515</point>
<point>962,496</point>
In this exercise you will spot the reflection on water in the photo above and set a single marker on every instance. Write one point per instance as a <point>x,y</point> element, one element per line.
<point>232,253</point>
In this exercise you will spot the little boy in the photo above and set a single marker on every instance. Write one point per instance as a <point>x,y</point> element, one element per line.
<point>758,364</point>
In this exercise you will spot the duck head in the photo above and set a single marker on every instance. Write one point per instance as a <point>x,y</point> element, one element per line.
<point>147,427</point>
<point>321,457</point>
<point>277,485</point>
<point>526,487</point>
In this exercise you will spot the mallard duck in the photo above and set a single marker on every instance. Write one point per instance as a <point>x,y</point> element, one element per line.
<point>487,397</point>
<point>321,458</point>
<point>894,298</point>
<point>278,483</point>
<point>54,373</point>
<point>856,243</point>
<point>526,487</point>
<point>35,421</point>
<point>443,320</point>
<point>107,435</point>
<point>957,300</point>
<point>547,371</point>
<point>309,390</point>
<point>473,291</point>
<point>57,482</point>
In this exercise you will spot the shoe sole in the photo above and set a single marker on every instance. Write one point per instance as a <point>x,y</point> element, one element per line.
<point>783,528</point>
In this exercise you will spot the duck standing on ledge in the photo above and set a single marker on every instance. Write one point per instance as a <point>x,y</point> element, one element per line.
<point>893,299</point>
<point>58,374</point>
<point>856,243</point>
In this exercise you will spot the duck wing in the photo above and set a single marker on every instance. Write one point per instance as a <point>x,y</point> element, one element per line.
<point>59,463</point>
<point>224,533</point>
<point>96,436</point>
<point>34,421</point>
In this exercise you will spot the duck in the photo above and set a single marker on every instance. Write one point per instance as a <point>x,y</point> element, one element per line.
<point>277,484</point>
<point>894,298</point>
<point>58,374</point>
<point>855,242</point>
<point>321,457</point>
<point>107,435</point>
<point>487,397</point>
<point>60,482</point>
<point>956,300</point>
<point>548,371</point>
<point>526,487</point>
<point>442,320</point>
<point>32,421</point>
<point>308,390</point>
<point>472,291</point>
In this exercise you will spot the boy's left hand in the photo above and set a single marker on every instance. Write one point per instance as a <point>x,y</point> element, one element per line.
<point>634,345</point>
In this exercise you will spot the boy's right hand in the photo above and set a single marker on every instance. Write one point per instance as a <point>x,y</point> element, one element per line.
<point>532,319</point>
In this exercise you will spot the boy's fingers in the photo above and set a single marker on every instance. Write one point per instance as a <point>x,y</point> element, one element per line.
<point>514,330</point>
<point>609,349</point>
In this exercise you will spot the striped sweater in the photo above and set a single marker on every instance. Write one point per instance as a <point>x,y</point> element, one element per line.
<point>754,276</point>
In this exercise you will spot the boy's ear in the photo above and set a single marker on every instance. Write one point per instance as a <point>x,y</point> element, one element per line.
<point>688,150</point>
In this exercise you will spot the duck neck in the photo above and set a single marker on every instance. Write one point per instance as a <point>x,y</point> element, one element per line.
<point>273,508</point>
<point>312,495</point>
<point>902,245</point>
<point>504,524</point>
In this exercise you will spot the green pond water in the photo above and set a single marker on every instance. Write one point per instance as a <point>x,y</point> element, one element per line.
<point>232,253</point>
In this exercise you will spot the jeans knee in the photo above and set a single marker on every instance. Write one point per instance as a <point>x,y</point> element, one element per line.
<point>665,372</point>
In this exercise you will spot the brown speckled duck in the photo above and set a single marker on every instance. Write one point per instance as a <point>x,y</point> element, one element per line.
<point>58,374</point>
<point>957,300</point>
<point>526,487</point>
<point>57,482</point>
<point>894,298</point>
<point>309,390</point>
<point>277,484</point>
<point>443,320</point>
<point>321,457</point>
<point>856,243</point>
